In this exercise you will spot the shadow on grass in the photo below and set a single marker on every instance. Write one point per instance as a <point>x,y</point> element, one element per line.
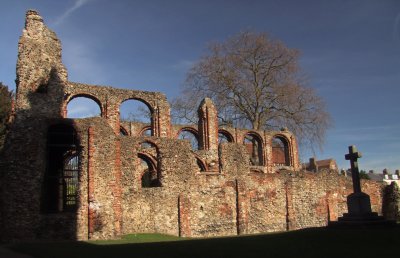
<point>315,242</point>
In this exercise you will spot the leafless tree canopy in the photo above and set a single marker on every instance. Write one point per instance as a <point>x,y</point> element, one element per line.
<point>255,83</point>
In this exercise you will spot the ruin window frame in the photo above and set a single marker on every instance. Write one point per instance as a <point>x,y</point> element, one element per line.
<point>123,131</point>
<point>201,165</point>
<point>194,133</point>
<point>144,130</point>
<point>154,169</point>
<point>151,109</point>
<point>260,148</point>
<point>86,96</point>
<point>285,148</point>
<point>60,191</point>
<point>227,135</point>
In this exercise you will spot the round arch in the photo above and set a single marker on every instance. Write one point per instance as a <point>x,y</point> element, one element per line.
<point>280,145</point>
<point>83,95</point>
<point>137,111</point>
<point>149,106</point>
<point>201,165</point>
<point>123,131</point>
<point>187,129</point>
<point>225,136</point>
<point>144,131</point>
<point>150,176</point>
<point>190,134</point>
<point>148,143</point>
<point>255,147</point>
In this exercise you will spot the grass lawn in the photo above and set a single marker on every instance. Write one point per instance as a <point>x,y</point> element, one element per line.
<point>315,242</point>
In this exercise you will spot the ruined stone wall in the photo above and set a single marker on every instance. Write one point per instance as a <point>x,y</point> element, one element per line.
<point>210,191</point>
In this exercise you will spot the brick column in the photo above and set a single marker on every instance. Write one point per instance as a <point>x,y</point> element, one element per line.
<point>90,175</point>
<point>184,216</point>
<point>161,120</point>
<point>208,125</point>
<point>242,219</point>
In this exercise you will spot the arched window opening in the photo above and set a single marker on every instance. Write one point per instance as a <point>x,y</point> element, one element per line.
<point>136,111</point>
<point>83,107</point>
<point>191,136</point>
<point>146,131</point>
<point>148,170</point>
<point>224,136</point>
<point>70,183</point>
<point>201,165</point>
<point>149,146</point>
<point>254,147</point>
<point>123,132</point>
<point>280,151</point>
<point>62,174</point>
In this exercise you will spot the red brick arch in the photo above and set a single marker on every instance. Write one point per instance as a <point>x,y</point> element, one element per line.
<point>281,155</point>
<point>201,164</point>
<point>123,130</point>
<point>188,129</point>
<point>152,143</point>
<point>151,108</point>
<point>82,95</point>
<point>261,147</point>
<point>227,134</point>
<point>144,129</point>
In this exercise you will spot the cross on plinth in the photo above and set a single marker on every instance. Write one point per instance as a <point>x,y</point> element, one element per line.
<point>358,203</point>
<point>355,174</point>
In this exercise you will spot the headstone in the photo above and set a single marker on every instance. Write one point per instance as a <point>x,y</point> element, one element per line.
<point>395,177</point>
<point>358,203</point>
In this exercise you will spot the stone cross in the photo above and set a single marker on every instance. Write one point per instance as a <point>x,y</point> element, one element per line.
<point>355,174</point>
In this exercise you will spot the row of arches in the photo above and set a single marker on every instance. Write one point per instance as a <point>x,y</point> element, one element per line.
<point>252,141</point>
<point>136,110</point>
<point>132,110</point>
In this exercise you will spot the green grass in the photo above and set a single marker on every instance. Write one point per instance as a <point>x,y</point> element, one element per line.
<point>137,238</point>
<point>316,242</point>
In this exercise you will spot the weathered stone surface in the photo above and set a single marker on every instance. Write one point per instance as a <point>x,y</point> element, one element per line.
<point>208,192</point>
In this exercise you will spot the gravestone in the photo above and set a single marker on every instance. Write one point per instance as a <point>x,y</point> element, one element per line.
<point>358,203</point>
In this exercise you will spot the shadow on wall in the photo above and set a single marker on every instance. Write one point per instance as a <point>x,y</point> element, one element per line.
<point>40,168</point>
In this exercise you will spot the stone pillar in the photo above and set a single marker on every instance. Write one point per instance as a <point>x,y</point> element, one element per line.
<point>208,125</point>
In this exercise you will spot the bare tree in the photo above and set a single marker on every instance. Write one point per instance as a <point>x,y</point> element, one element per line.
<point>255,82</point>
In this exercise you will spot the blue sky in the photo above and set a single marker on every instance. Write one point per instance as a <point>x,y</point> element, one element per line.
<point>350,52</point>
